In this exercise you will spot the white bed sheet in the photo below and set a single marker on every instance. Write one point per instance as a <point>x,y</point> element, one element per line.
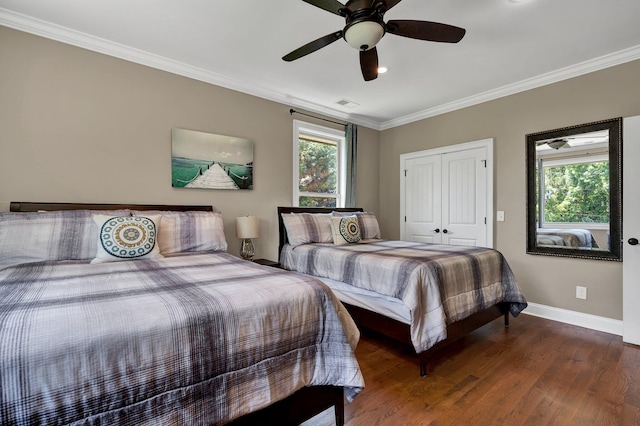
<point>376,302</point>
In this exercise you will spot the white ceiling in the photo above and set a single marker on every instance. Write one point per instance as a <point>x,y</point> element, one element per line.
<point>509,47</point>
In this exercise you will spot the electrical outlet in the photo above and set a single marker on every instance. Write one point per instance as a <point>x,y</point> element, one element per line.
<point>581,292</point>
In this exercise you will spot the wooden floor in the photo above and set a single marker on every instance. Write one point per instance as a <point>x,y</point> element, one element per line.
<point>537,372</point>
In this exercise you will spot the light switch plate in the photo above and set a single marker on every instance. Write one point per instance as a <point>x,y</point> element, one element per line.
<point>500,216</point>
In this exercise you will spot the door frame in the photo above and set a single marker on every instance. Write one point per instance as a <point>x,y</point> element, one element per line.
<point>483,143</point>
<point>631,228</point>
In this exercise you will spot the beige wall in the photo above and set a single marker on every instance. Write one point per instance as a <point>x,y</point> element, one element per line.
<point>78,126</point>
<point>551,281</point>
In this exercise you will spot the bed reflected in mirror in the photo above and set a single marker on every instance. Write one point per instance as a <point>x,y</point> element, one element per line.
<point>573,191</point>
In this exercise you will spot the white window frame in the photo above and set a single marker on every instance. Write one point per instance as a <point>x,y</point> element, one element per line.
<point>332,135</point>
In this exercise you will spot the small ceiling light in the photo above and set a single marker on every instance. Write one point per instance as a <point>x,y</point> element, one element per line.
<point>364,35</point>
<point>382,70</point>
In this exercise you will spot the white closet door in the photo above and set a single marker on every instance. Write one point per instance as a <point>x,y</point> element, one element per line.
<point>631,229</point>
<point>446,194</point>
<point>464,201</point>
<point>423,208</point>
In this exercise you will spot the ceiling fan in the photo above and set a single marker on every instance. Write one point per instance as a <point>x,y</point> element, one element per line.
<point>365,27</point>
<point>555,143</point>
<point>585,139</point>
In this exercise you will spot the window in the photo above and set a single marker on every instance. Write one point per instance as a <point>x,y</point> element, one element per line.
<point>319,168</point>
<point>575,191</point>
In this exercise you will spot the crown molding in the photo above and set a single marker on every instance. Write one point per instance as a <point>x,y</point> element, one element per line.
<point>602,62</point>
<point>79,39</point>
<point>96,44</point>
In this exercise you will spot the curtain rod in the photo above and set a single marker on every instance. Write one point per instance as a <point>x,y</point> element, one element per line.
<point>292,111</point>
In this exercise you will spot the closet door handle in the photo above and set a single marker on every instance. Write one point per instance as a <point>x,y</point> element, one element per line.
<point>633,241</point>
<point>444,231</point>
<point>437,230</point>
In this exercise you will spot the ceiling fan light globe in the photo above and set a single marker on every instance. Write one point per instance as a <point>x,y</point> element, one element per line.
<point>557,143</point>
<point>364,35</point>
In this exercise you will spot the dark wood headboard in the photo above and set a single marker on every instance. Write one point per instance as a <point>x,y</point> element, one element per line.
<point>20,206</point>
<point>282,231</point>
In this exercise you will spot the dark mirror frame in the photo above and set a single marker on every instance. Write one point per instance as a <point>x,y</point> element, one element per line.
<point>614,253</point>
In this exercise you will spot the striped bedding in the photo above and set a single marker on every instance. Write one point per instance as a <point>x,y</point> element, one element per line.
<point>191,339</point>
<point>580,238</point>
<point>440,284</point>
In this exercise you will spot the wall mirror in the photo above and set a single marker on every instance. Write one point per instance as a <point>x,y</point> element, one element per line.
<point>574,201</point>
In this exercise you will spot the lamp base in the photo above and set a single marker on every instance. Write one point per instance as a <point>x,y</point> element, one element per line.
<point>247,251</point>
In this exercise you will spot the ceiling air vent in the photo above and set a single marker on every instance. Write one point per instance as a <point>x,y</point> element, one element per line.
<point>347,103</point>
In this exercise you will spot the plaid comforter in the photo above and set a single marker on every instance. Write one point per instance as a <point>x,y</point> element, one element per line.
<point>440,284</point>
<point>580,238</point>
<point>190,340</point>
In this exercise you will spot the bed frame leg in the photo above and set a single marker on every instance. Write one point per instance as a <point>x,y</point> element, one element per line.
<point>423,367</point>
<point>339,410</point>
<point>506,320</point>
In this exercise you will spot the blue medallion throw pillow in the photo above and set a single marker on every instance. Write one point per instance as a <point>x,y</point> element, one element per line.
<point>345,230</point>
<point>126,238</point>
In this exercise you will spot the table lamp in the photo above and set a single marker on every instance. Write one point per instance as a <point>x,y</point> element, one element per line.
<point>247,228</point>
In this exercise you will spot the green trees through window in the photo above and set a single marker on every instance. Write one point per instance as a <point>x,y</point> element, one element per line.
<point>577,193</point>
<point>317,171</point>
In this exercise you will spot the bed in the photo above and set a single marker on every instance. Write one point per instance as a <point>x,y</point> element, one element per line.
<point>424,295</point>
<point>181,333</point>
<point>575,238</point>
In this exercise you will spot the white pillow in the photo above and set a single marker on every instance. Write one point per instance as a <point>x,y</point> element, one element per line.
<point>126,238</point>
<point>345,230</point>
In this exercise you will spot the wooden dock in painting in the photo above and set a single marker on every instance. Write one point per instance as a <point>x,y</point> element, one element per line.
<point>214,177</point>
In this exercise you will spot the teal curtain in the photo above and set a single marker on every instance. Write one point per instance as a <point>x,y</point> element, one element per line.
<point>351,131</point>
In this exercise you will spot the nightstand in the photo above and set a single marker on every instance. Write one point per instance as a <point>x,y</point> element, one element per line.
<point>267,262</point>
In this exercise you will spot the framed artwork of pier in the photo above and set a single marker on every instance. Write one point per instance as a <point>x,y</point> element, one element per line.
<point>210,161</point>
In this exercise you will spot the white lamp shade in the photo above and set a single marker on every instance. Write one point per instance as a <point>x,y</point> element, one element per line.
<point>247,227</point>
<point>364,35</point>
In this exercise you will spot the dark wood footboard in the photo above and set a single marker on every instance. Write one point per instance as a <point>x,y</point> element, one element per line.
<point>400,331</point>
<point>299,407</point>
<point>463,327</point>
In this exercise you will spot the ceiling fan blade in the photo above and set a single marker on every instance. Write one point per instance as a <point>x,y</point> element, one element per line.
<point>312,46</point>
<point>391,3</point>
<point>332,6</point>
<point>369,64</point>
<point>425,30</point>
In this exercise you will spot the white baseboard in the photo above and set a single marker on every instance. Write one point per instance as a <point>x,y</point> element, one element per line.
<point>580,319</point>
